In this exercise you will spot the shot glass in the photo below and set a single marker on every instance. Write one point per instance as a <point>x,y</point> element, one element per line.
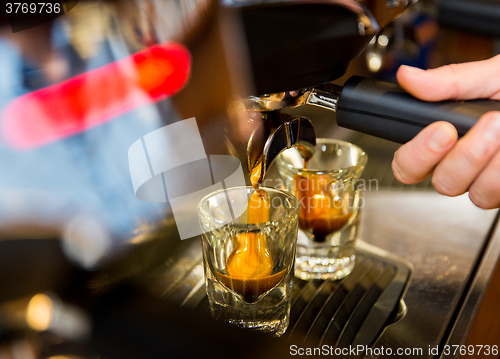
<point>327,188</point>
<point>249,242</point>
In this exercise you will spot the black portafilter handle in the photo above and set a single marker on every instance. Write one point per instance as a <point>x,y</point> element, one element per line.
<point>385,110</point>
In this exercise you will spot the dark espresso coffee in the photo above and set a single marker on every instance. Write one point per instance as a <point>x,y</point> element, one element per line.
<point>321,213</point>
<point>249,266</point>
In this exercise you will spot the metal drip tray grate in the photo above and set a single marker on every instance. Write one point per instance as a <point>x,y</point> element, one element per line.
<point>348,312</point>
<point>354,310</point>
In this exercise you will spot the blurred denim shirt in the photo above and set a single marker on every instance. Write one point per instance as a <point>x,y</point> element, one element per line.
<point>87,172</point>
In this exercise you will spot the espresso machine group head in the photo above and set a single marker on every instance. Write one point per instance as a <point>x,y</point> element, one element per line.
<point>293,49</point>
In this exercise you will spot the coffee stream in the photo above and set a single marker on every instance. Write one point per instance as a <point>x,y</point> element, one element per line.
<point>255,175</point>
<point>250,258</point>
<point>250,265</point>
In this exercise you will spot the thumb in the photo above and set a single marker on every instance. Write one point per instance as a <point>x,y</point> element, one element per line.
<point>471,80</point>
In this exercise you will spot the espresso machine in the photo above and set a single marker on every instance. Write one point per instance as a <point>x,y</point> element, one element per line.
<point>293,50</point>
<point>282,55</point>
<point>253,64</point>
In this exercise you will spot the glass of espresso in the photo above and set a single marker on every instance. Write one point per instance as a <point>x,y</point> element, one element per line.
<point>249,242</point>
<point>327,187</point>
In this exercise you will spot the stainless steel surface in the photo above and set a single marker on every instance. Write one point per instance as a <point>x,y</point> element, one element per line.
<point>278,131</point>
<point>443,238</point>
<point>386,12</point>
<point>276,101</point>
<point>276,135</point>
<point>475,294</point>
<point>325,97</point>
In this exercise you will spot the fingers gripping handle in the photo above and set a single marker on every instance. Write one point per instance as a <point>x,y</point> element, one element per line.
<point>385,110</point>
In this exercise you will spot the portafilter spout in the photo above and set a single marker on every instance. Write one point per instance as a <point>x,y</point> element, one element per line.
<point>277,132</point>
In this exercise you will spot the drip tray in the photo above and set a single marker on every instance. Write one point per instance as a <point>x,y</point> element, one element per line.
<point>354,310</point>
<point>343,313</point>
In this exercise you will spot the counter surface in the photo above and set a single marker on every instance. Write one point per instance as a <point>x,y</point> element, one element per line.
<point>446,240</point>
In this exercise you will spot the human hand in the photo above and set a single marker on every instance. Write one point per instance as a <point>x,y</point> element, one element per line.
<point>470,164</point>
